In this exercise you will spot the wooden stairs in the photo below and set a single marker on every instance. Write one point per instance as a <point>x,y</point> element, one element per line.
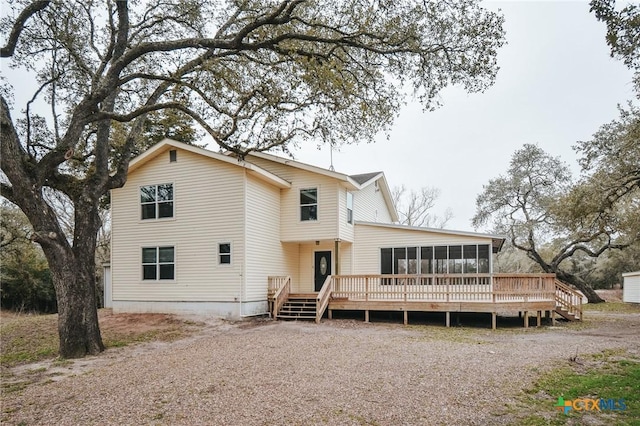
<point>568,302</point>
<point>299,307</point>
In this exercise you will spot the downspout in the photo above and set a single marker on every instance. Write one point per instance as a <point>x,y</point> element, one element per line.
<point>337,251</point>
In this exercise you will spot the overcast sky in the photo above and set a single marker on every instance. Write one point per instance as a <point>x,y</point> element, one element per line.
<point>557,84</point>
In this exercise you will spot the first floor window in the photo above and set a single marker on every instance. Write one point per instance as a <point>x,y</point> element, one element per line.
<point>158,263</point>
<point>309,204</point>
<point>224,253</point>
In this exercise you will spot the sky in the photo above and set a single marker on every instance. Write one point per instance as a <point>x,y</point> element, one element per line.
<point>557,84</point>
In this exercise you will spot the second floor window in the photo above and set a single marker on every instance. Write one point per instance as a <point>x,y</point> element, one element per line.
<point>349,207</point>
<point>156,201</point>
<point>309,204</point>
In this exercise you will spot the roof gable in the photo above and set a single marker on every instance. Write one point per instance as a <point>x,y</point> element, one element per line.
<point>168,144</point>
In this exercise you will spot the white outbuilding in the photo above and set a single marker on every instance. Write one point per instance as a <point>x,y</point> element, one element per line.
<point>631,287</point>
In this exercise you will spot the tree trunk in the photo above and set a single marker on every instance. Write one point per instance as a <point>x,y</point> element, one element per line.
<point>74,280</point>
<point>580,284</point>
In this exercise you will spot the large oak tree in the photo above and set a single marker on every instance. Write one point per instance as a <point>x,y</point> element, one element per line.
<point>553,219</point>
<point>254,74</point>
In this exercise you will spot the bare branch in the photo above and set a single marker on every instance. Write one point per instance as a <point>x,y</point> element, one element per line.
<point>8,49</point>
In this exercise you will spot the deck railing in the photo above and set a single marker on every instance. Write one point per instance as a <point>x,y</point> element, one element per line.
<point>446,288</point>
<point>523,287</point>
<point>568,299</point>
<point>281,294</point>
<point>322,300</point>
<point>274,283</point>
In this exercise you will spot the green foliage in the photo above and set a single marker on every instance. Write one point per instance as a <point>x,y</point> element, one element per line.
<point>623,32</point>
<point>26,280</point>
<point>608,375</point>
<point>520,202</point>
<point>560,225</point>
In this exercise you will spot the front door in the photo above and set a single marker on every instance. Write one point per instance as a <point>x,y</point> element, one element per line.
<point>322,268</point>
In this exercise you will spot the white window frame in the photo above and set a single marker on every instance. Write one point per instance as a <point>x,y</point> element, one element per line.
<point>156,202</point>
<point>350,208</point>
<point>317,204</point>
<point>157,263</point>
<point>220,254</point>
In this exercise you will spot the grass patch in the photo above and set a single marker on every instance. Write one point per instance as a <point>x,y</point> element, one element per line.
<point>612,375</point>
<point>27,338</point>
<point>619,307</point>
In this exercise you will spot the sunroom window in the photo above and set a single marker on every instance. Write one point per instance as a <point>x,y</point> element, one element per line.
<point>454,259</point>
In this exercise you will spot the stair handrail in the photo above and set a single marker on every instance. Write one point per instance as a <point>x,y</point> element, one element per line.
<point>281,295</point>
<point>322,300</point>
<point>568,298</point>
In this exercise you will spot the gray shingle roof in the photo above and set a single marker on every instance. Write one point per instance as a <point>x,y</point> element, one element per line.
<point>364,177</point>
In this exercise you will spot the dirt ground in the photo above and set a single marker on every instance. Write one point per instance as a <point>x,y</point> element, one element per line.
<point>342,371</point>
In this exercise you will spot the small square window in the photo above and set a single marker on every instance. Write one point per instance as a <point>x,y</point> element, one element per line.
<point>224,253</point>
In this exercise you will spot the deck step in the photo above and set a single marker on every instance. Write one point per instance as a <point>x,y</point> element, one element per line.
<point>299,306</point>
<point>566,314</point>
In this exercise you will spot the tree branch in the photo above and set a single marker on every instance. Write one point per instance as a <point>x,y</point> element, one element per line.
<point>9,48</point>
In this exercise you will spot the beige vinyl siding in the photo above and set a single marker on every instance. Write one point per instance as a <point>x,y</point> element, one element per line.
<point>292,229</point>
<point>306,283</point>
<point>326,227</point>
<point>345,229</point>
<point>369,205</point>
<point>265,254</point>
<point>208,210</point>
<point>370,239</point>
<point>346,258</point>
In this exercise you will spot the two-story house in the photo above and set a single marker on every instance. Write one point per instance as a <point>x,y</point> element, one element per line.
<point>194,231</point>
<point>198,231</point>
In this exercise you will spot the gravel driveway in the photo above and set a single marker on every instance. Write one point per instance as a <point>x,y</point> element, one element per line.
<point>338,372</point>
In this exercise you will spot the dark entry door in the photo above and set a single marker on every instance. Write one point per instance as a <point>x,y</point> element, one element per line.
<point>322,268</point>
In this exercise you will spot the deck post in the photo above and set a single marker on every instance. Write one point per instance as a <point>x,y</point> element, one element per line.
<point>406,317</point>
<point>448,319</point>
<point>366,315</point>
<point>493,320</point>
<point>526,319</point>
<point>539,318</point>
<point>553,317</point>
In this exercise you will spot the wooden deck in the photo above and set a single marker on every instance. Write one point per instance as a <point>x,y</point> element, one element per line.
<point>488,293</point>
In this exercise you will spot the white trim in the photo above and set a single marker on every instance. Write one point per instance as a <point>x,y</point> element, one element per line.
<point>219,254</point>
<point>317,204</point>
<point>157,263</point>
<point>173,200</point>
